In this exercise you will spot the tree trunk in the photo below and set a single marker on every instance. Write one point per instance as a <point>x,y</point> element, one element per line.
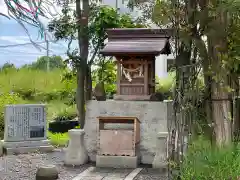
<point>83,44</point>
<point>88,83</point>
<point>221,107</point>
<point>80,97</point>
<point>221,114</point>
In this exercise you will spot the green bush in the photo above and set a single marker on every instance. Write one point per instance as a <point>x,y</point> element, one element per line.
<point>166,85</point>
<point>68,113</point>
<point>28,94</point>
<point>58,139</point>
<point>204,162</point>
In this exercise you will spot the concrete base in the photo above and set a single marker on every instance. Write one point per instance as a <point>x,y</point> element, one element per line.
<point>154,116</point>
<point>27,147</point>
<point>117,161</point>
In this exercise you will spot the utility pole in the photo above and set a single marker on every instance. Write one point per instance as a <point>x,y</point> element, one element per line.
<point>47,51</point>
<point>117,5</point>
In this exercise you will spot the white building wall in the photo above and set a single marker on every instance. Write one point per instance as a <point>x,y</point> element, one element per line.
<point>161,61</point>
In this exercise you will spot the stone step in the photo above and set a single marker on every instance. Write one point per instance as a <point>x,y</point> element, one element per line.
<point>117,161</point>
<point>26,150</point>
<point>94,173</point>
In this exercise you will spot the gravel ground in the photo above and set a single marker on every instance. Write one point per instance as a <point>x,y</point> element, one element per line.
<point>150,174</point>
<point>24,167</point>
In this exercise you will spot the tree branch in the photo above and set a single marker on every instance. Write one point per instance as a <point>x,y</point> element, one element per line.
<point>94,53</point>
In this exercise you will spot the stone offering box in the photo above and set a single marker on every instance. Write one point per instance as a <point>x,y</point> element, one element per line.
<point>118,142</point>
<point>25,129</point>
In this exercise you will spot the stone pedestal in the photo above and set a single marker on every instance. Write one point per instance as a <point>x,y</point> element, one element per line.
<point>76,153</point>
<point>160,159</point>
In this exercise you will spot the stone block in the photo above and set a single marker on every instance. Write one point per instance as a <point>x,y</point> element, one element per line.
<point>117,161</point>
<point>48,172</point>
<point>27,147</point>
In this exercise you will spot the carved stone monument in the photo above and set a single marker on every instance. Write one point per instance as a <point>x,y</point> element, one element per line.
<point>25,129</point>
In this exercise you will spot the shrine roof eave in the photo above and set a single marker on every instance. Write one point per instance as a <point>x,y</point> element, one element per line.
<point>146,47</point>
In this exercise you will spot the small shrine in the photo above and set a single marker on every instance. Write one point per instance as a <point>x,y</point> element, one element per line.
<point>135,50</point>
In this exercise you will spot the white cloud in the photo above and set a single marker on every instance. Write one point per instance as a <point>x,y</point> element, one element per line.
<point>15,39</point>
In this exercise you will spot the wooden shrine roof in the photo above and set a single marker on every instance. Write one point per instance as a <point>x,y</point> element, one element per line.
<point>137,41</point>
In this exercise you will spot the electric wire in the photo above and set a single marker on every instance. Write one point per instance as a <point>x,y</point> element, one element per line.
<point>23,44</point>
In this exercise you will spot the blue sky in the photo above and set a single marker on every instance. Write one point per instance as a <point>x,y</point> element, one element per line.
<point>12,33</point>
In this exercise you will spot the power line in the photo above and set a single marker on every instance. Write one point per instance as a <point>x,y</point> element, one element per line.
<point>24,53</point>
<point>23,44</point>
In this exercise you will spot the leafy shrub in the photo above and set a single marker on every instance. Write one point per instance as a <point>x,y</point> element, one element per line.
<point>166,85</point>
<point>58,139</point>
<point>5,99</point>
<point>64,120</point>
<point>68,113</point>
<point>27,94</point>
<point>204,162</point>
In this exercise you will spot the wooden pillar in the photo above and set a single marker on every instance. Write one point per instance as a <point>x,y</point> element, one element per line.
<point>118,77</point>
<point>146,78</point>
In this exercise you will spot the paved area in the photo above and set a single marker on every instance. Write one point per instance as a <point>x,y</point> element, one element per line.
<point>93,173</point>
<point>24,167</point>
<point>150,174</point>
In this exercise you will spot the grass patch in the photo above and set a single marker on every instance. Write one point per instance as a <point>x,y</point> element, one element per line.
<point>58,139</point>
<point>204,162</point>
<point>31,80</point>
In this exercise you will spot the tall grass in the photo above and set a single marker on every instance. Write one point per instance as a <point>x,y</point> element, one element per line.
<point>204,162</point>
<point>27,79</point>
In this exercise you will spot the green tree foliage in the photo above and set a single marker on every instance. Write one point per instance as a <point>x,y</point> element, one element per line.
<point>55,62</point>
<point>7,66</point>
<point>101,18</point>
<point>105,71</point>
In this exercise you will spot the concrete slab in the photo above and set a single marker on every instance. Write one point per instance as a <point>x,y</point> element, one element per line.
<point>133,174</point>
<point>84,173</point>
<point>117,161</point>
<point>26,150</point>
<point>93,177</point>
<point>25,147</point>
